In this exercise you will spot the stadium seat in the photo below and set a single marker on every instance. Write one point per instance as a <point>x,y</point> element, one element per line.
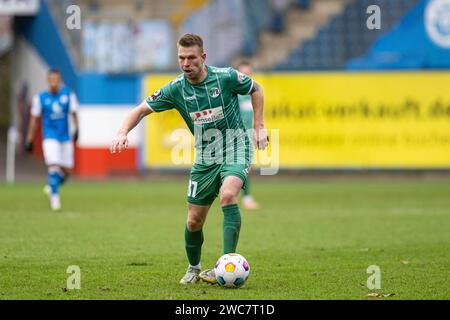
<point>346,36</point>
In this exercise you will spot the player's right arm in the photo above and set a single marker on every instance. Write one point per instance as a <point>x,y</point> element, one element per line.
<point>159,101</point>
<point>133,118</point>
<point>36,110</point>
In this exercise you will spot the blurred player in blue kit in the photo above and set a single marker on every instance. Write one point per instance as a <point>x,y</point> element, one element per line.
<point>55,106</point>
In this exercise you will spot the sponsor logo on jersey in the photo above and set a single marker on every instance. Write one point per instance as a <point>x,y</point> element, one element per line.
<point>214,92</point>
<point>241,77</point>
<point>57,111</point>
<point>437,22</point>
<point>207,116</point>
<point>190,98</point>
<point>156,95</point>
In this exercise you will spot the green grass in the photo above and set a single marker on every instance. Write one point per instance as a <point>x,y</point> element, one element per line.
<point>310,240</point>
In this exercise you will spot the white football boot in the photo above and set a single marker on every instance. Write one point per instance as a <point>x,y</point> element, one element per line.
<point>209,276</point>
<point>191,276</point>
<point>55,202</point>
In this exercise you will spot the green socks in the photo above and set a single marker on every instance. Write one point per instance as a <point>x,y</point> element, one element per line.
<point>194,241</point>
<point>231,227</point>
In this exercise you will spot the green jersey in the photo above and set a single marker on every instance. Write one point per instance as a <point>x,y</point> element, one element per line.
<point>210,109</point>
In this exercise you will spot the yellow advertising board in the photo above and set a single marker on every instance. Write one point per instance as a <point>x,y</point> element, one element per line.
<point>338,120</point>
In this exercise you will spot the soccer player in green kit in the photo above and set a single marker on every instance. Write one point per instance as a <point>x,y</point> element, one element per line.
<point>245,104</point>
<point>207,99</point>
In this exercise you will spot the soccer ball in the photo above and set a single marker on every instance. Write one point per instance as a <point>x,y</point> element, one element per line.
<point>231,270</point>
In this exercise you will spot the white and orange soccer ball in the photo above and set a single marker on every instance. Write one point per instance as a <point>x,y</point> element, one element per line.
<point>232,270</point>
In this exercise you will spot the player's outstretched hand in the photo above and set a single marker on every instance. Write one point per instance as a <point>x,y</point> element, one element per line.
<point>28,146</point>
<point>119,143</point>
<point>261,138</point>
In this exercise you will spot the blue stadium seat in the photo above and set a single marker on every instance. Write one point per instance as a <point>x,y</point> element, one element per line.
<point>346,35</point>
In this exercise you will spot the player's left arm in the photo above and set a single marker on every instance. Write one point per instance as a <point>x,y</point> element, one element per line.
<point>76,126</point>
<point>257,96</point>
<point>74,115</point>
<point>35,113</point>
<point>244,85</point>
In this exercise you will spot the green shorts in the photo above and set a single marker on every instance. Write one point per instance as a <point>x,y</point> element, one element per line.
<point>205,180</point>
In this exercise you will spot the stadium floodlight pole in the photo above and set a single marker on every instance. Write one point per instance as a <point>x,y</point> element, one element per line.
<point>11,138</point>
<point>11,142</point>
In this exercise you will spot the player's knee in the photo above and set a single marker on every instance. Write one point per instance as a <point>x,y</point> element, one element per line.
<point>194,223</point>
<point>227,197</point>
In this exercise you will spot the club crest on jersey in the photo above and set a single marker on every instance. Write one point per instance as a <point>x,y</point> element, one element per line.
<point>64,99</point>
<point>207,116</point>
<point>156,95</point>
<point>214,92</point>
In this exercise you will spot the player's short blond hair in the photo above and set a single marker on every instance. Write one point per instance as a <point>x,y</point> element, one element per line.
<point>190,40</point>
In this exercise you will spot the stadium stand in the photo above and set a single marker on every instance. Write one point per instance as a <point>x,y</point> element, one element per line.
<point>302,20</point>
<point>116,34</point>
<point>345,36</point>
<point>274,34</point>
<point>408,45</point>
<point>122,43</point>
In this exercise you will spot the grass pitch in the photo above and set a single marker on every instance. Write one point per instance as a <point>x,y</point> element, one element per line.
<point>310,240</point>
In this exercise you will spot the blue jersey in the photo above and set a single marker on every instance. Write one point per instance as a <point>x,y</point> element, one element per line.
<point>55,110</point>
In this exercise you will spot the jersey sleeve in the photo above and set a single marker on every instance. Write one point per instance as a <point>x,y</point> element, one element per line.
<point>240,83</point>
<point>73,103</point>
<point>36,107</point>
<point>161,100</point>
